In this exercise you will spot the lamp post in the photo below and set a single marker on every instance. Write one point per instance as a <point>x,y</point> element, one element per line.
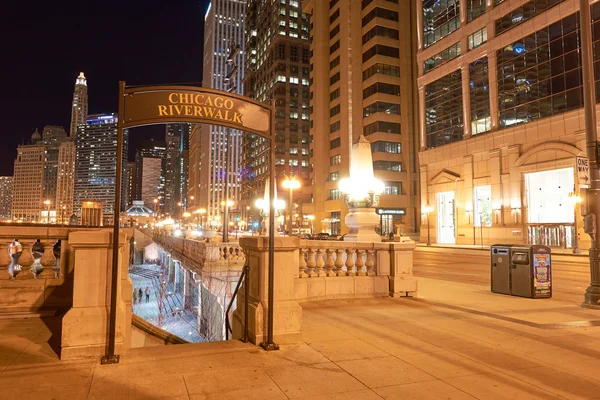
<point>427,209</point>
<point>311,218</point>
<point>575,200</point>
<point>47,203</point>
<point>226,205</point>
<point>291,184</point>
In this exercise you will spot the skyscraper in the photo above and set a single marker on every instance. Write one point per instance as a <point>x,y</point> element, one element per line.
<point>52,137</point>
<point>95,165</point>
<point>28,181</point>
<point>362,82</point>
<point>6,189</point>
<point>79,109</point>
<point>131,186</point>
<point>148,166</point>
<point>219,148</point>
<point>65,181</point>
<point>177,138</point>
<point>277,68</point>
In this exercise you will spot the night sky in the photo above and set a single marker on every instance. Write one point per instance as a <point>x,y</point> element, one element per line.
<point>46,45</point>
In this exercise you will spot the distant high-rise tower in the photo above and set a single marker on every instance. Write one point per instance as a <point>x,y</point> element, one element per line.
<point>131,185</point>
<point>65,181</point>
<point>214,150</point>
<point>52,137</point>
<point>79,107</point>
<point>149,182</point>
<point>96,161</point>
<point>28,181</point>
<point>6,184</point>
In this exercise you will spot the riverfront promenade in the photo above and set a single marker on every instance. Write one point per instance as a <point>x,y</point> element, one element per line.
<point>456,341</point>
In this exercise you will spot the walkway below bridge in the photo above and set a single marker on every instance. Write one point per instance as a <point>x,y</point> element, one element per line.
<point>456,341</point>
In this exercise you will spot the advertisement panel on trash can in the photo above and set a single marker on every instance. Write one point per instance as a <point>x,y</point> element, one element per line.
<point>542,282</point>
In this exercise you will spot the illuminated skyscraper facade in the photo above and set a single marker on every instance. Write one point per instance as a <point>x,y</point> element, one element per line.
<point>79,106</point>
<point>6,189</point>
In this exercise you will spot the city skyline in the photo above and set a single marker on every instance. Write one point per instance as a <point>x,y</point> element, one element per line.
<point>46,34</point>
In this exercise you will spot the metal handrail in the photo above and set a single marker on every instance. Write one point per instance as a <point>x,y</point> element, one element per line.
<point>244,276</point>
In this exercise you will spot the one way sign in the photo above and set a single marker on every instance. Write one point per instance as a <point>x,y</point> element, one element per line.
<point>583,170</point>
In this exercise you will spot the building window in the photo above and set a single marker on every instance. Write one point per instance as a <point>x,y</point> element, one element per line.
<point>380,13</point>
<point>334,111</point>
<point>365,3</point>
<point>334,127</point>
<point>334,78</point>
<point>334,31</point>
<point>381,107</point>
<point>382,50</point>
<point>480,96</point>
<point>482,203</point>
<point>334,16</point>
<point>335,160</point>
<point>334,63</point>
<point>386,147</point>
<point>442,57</point>
<point>334,176</point>
<point>475,8</point>
<point>379,87</point>
<point>380,31</point>
<point>334,47</point>
<point>334,194</point>
<point>444,110</point>
<point>440,18</point>
<point>379,68</point>
<point>540,75</point>
<point>334,95</point>
<point>381,126</point>
<point>477,38</point>
<point>392,187</point>
<point>383,165</point>
<point>335,143</point>
<point>523,13</point>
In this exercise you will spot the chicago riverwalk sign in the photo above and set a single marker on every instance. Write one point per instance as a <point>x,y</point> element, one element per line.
<point>148,105</point>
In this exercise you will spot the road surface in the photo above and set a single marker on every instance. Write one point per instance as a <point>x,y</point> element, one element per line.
<point>571,275</point>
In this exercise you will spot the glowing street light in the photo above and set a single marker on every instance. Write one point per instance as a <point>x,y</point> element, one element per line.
<point>291,184</point>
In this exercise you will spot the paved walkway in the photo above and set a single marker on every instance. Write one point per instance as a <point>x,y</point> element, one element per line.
<point>457,341</point>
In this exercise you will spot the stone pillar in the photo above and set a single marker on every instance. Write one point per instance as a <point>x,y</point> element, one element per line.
<point>287,312</point>
<point>402,281</point>
<point>85,325</point>
<point>188,290</point>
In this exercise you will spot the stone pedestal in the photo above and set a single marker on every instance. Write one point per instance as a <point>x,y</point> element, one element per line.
<point>361,223</point>
<point>85,325</point>
<point>287,312</point>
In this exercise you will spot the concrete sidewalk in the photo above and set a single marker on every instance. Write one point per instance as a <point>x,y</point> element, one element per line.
<point>456,341</point>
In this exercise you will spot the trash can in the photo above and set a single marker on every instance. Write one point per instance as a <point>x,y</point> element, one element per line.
<point>530,272</point>
<point>521,270</point>
<point>500,268</point>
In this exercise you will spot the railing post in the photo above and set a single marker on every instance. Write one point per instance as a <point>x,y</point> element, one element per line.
<point>402,281</point>
<point>48,259</point>
<point>26,260</point>
<point>5,261</point>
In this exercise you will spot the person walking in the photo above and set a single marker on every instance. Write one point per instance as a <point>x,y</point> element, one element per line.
<point>16,249</point>
<point>147,294</point>
<point>140,294</point>
<point>135,296</point>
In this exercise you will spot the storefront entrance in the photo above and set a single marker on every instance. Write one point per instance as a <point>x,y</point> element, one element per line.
<point>550,213</point>
<point>445,217</point>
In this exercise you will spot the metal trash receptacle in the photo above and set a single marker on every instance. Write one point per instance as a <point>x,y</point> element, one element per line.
<point>530,271</point>
<point>500,268</point>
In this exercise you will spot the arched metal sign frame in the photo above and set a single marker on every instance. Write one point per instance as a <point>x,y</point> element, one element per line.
<point>149,105</point>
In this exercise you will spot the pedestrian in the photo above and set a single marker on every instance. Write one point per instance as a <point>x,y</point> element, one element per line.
<point>140,294</point>
<point>16,249</point>
<point>147,294</point>
<point>135,296</point>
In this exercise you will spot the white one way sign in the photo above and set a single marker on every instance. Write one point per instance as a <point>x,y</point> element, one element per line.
<point>583,170</point>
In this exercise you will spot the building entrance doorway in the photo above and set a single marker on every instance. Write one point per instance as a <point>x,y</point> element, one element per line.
<point>445,217</point>
<point>550,211</point>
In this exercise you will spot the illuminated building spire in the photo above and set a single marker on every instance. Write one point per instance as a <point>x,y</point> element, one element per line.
<point>79,109</point>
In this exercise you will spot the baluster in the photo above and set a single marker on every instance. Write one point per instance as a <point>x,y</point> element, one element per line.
<point>26,260</point>
<point>359,263</point>
<point>370,262</point>
<point>339,262</point>
<point>310,263</point>
<point>350,262</point>
<point>5,261</point>
<point>329,263</point>
<point>48,259</point>
<point>320,263</point>
<point>237,253</point>
<point>223,252</point>
<point>302,263</point>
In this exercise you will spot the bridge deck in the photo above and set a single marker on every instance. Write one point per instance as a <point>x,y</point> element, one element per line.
<point>456,341</point>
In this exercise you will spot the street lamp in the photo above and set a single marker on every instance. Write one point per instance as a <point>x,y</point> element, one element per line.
<point>226,205</point>
<point>575,200</point>
<point>311,218</point>
<point>47,203</point>
<point>427,209</point>
<point>291,184</point>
